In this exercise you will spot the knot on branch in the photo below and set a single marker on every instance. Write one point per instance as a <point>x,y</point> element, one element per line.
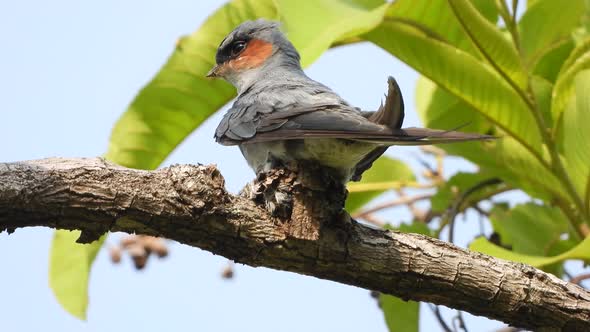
<point>193,183</point>
<point>302,196</point>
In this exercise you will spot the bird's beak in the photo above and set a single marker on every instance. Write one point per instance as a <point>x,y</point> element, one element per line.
<point>214,72</point>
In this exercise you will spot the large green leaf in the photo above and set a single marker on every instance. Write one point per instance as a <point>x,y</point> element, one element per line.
<point>546,22</point>
<point>530,3</point>
<point>439,109</point>
<point>400,315</point>
<point>581,251</point>
<point>457,185</point>
<point>504,158</point>
<point>312,29</point>
<point>542,90</point>
<point>437,16</point>
<point>461,74</point>
<point>582,48</point>
<point>550,63</point>
<point>578,60</point>
<point>576,134</point>
<point>498,50</point>
<point>179,98</point>
<point>69,270</point>
<point>385,174</point>
<point>518,167</point>
<point>514,227</point>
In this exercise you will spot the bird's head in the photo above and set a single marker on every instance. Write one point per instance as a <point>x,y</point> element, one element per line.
<point>252,49</point>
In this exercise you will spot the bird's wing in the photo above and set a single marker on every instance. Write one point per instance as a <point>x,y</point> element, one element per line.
<point>258,123</point>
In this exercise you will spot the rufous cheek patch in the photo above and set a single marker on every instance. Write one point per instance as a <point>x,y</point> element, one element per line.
<point>255,54</point>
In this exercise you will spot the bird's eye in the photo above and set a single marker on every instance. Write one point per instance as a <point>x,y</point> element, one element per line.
<point>238,47</point>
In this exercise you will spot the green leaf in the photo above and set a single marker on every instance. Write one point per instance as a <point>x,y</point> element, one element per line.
<point>550,63</point>
<point>312,31</point>
<point>440,109</point>
<point>498,50</point>
<point>542,90</point>
<point>69,270</point>
<point>417,227</point>
<point>457,185</point>
<point>578,52</point>
<point>385,170</point>
<point>530,3</point>
<point>462,75</point>
<point>578,60</point>
<point>576,134</point>
<point>581,251</point>
<point>546,22</point>
<point>400,315</point>
<point>550,226</point>
<point>179,98</point>
<point>504,158</point>
<point>514,227</point>
<point>437,17</point>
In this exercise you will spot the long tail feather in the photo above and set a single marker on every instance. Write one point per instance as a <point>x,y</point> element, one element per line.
<point>392,113</point>
<point>425,136</point>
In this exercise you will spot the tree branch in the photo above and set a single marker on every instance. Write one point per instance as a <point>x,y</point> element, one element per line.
<point>190,205</point>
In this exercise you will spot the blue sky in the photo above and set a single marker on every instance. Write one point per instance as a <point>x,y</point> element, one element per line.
<point>68,70</point>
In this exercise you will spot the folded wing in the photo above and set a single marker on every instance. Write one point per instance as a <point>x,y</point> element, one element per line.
<point>254,122</point>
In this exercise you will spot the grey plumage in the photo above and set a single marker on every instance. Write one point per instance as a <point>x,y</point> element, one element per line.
<point>280,114</point>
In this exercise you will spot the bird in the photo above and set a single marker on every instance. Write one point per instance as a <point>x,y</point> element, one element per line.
<point>281,115</point>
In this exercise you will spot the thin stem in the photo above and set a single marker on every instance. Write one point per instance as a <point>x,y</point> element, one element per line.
<point>462,198</point>
<point>571,217</point>
<point>510,20</point>
<point>521,93</point>
<point>514,9</point>
<point>481,211</point>
<point>439,318</point>
<point>371,219</point>
<point>529,98</point>
<point>401,201</point>
<point>579,278</point>
<point>460,322</point>
<point>557,166</point>
<point>361,187</point>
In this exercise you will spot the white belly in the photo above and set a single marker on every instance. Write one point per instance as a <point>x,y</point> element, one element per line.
<point>335,153</point>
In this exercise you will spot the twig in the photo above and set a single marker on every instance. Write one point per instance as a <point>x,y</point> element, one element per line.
<point>514,10</point>
<point>459,320</point>
<point>481,211</point>
<point>454,210</point>
<point>579,278</point>
<point>389,185</point>
<point>439,154</point>
<point>373,220</point>
<point>417,213</point>
<point>439,318</point>
<point>401,201</point>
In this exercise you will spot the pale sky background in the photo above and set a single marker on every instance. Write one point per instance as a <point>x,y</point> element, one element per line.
<point>68,69</point>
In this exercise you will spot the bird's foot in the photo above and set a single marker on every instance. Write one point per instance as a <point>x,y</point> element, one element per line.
<point>302,196</point>
<point>273,189</point>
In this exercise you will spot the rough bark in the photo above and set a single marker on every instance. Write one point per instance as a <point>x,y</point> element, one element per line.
<point>190,205</point>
